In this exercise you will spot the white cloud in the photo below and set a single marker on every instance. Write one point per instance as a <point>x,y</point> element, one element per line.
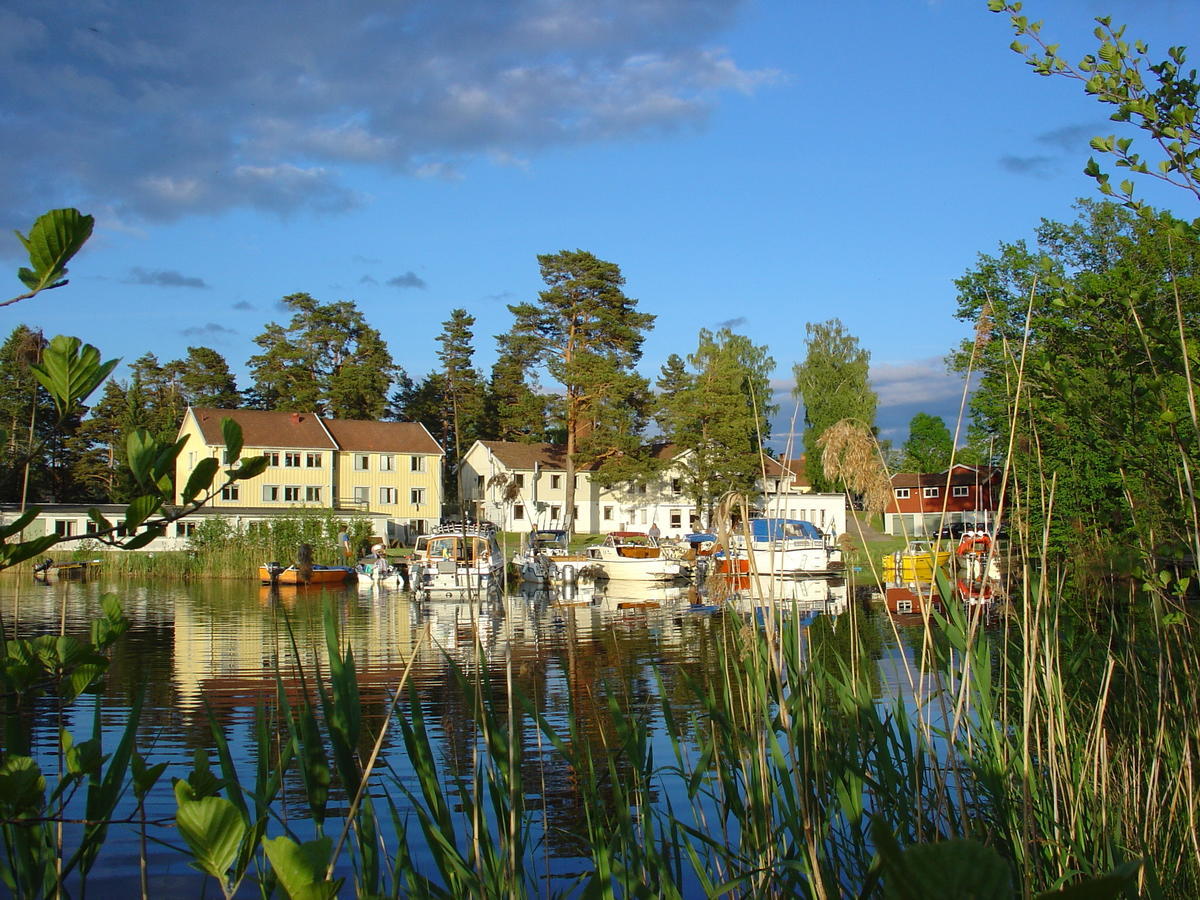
<point>167,110</point>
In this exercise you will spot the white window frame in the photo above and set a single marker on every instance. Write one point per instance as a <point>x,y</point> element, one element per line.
<point>291,459</point>
<point>272,458</point>
<point>362,462</point>
<point>387,496</point>
<point>270,493</point>
<point>555,513</point>
<point>903,493</point>
<point>229,492</point>
<point>555,482</point>
<point>387,462</point>
<point>416,496</point>
<point>362,494</point>
<point>64,527</point>
<point>416,464</point>
<point>312,493</point>
<point>291,493</point>
<point>960,490</point>
<point>930,493</point>
<point>608,511</point>
<point>313,461</point>
<point>519,512</point>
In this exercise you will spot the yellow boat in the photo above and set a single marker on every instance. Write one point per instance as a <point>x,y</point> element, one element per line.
<point>916,562</point>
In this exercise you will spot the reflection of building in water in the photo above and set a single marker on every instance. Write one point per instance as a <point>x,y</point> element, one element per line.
<point>232,648</point>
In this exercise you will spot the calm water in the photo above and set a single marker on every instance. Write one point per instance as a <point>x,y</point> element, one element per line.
<point>211,650</point>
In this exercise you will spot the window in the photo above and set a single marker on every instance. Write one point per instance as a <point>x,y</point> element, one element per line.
<point>519,478</point>
<point>416,463</point>
<point>574,513</point>
<point>362,462</point>
<point>291,459</point>
<point>90,527</point>
<point>313,460</point>
<point>555,482</point>
<point>518,511</point>
<point>64,527</point>
<point>676,519</point>
<point>387,495</point>
<point>272,458</point>
<point>641,488</point>
<point>479,483</point>
<point>902,493</point>
<point>903,606</point>
<point>676,486</point>
<point>416,496</point>
<point>929,492</point>
<point>387,462</point>
<point>555,512</point>
<point>229,492</point>
<point>312,494</point>
<point>185,529</point>
<point>959,490</point>
<point>291,493</point>
<point>270,493</point>
<point>608,514</point>
<point>361,495</point>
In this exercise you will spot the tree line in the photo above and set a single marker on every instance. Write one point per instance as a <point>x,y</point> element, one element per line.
<point>565,372</point>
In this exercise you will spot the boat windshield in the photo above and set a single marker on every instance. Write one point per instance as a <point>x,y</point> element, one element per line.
<point>454,546</point>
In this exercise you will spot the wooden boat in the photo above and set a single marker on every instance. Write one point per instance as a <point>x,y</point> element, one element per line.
<point>632,556</point>
<point>916,562</point>
<point>459,559</point>
<point>274,573</point>
<point>787,547</point>
<point>75,570</point>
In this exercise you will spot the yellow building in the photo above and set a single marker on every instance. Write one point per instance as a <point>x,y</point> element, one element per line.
<point>388,468</point>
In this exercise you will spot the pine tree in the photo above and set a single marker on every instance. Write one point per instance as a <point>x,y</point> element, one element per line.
<point>587,335</point>
<point>206,380</point>
<point>515,408</point>
<point>327,360</point>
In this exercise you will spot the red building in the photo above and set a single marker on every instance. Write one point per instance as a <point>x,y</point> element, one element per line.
<point>922,503</point>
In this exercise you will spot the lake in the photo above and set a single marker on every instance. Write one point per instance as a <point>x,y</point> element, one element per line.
<point>211,650</point>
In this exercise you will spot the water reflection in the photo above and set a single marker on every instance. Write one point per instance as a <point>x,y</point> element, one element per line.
<point>220,650</point>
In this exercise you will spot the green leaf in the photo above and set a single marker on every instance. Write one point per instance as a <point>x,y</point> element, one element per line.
<point>55,237</point>
<point>1120,882</point>
<point>249,468</point>
<point>19,523</point>
<point>301,867</point>
<point>70,370</point>
<point>140,509</point>
<point>213,830</point>
<point>232,432</point>
<point>141,540</point>
<point>141,449</point>
<point>201,478</point>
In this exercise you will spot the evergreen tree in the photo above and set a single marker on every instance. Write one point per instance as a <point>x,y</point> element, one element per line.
<point>587,335</point>
<point>26,416</point>
<point>206,381</point>
<point>834,384</point>
<point>327,360</point>
<point>720,412</point>
<point>515,408</point>
<point>463,391</point>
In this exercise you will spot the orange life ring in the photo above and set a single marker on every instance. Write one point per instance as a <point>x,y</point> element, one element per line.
<point>974,543</point>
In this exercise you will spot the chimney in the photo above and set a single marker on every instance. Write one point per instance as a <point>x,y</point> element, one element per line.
<point>296,418</point>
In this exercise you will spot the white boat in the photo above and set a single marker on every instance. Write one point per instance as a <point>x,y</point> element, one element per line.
<point>632,556</point>
<point>459,559</point>
<point>546,558</point>
<point>787,547</point>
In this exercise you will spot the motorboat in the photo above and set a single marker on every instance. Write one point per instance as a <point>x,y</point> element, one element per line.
<point>459,559</point>
<point>631,556</point>
<point>74,570</point>
<point>779,547</point>
<point>918,561</point>
<point>547,559</point>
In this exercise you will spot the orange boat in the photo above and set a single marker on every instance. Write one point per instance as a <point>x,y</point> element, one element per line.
<point>273,573</point>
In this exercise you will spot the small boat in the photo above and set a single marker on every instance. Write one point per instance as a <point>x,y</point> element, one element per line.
<point>75,570</point>
<point>787,547</point>
<point>547,559</point>
<point>918,561</point>
<point>974,556</point>
<point>632,556</point>
<point>459,559</point>
<point>274,573</point>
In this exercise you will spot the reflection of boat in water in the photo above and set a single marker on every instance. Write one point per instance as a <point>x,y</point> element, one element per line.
<point>274,573</point>
<point>916,562</point>
<point>632,556</point>
<point>622,595</point>
<point>829,596</point>
<point>75,570</point>
<point>460,559</point>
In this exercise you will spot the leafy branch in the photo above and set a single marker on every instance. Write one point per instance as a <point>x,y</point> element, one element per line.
<point>1160,98</point>
<point>55,237</point>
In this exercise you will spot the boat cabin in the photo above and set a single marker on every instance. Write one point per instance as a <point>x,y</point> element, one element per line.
<point>633,544</point>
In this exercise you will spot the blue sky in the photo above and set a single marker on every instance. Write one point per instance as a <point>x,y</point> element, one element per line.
<point>758,165</point>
